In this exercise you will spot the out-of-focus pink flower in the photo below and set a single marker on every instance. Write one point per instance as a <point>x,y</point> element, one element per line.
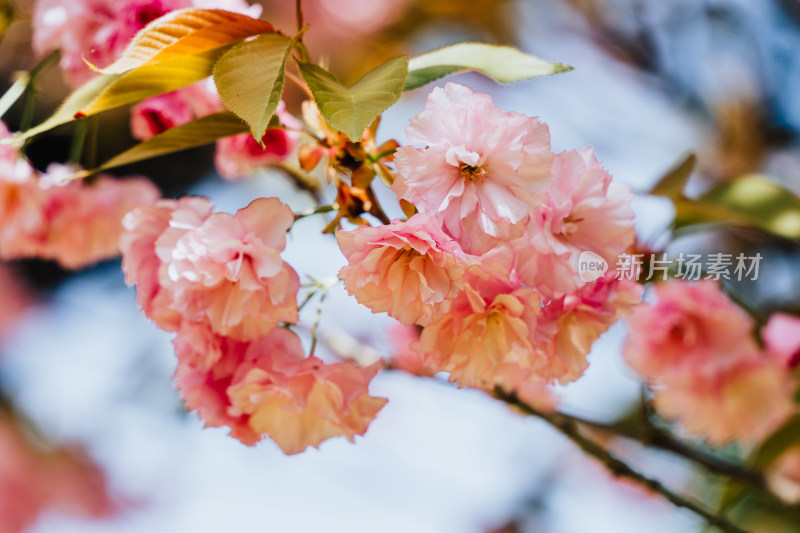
<point>586,212</point>
<point>404,357</point>
<point>85,221</point>
<point>159,113</point>
<point>16,298</point>
<point>300,402</point>
<point>226,269</point>
<point>692,326</point>
<point>783,476</point>
<point>781,335</point>
<point>143,226</point>
<point>488,329</point>
<point>570,325</point>
<point>412,269</point>
<point>349,17</point>
<point>69,222</point>
<point>99,30</point>
<point>33,482</point>
<point>744,402</point>
<point>238,156</point>
<point>696,349</point>
<point>481,170</point>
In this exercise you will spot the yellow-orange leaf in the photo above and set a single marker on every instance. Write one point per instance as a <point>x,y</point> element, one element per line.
<point>184,32</point>
<point>152,80</point>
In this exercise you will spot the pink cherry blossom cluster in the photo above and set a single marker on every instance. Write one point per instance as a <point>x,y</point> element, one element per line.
<point>99,30</point>
<point>488,266</point>
<point>218,280</point>
<point>35,481</point>
<point>71,222</point>
<point>698,352</point>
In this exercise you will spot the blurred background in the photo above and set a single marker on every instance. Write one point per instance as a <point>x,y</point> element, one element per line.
<point>90,379</point>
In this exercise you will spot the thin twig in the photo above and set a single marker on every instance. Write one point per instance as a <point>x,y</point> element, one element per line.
<point>570,429</point>
<point>314,329</point>
<point>657,438</point>
<point>299,13</point>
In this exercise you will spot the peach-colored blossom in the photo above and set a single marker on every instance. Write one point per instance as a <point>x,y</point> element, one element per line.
<point>268,388</point>
<point>206,366</point>
<point>691,326</point>
<point>142,228</point>
<point>489,328</point>
<point>300,402</point>
<point>781,336</point>
<point>238,156</point>
<point>744,402</point>
<point>570,325</point>
<point>481,170</point>
<point>586,211</point>
<point>227,270</point>
<point>411,269</point>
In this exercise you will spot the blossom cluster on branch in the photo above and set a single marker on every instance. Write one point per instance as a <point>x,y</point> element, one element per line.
<point>483,273</point>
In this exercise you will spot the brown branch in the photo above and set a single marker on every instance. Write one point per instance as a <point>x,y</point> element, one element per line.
<point>570,429</point>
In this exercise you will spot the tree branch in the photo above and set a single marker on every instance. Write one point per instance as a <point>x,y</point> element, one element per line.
<point>569,427</point>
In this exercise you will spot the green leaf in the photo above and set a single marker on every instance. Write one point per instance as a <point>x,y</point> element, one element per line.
<point>82,97</point>
<point>250,76</point>
<point>352,110</point>
<point>777,443</point>
<point>205,130</point>
<point>672,183</point>
<point>13,93</point>
<point>109,91</point>
<point>751,201</point>
<point>501,63</point>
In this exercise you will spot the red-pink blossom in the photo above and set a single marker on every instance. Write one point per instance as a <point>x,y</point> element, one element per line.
<point>159,113</point>
<point>238,156</point>
<point>781,336</point>
<point>411,269</point>
<point>481,170</point>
